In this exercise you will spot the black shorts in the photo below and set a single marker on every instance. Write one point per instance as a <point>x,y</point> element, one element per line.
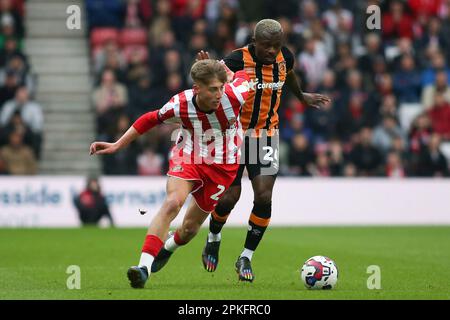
<point>260,156</point>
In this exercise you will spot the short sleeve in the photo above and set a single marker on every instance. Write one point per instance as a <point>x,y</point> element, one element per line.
<point>289,57</point>
<point>234,61</point>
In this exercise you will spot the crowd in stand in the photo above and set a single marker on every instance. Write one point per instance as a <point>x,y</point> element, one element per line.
<point>142,51</point>
<point>21,119</point>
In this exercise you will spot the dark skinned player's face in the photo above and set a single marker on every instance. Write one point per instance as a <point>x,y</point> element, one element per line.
<point>268,46</point>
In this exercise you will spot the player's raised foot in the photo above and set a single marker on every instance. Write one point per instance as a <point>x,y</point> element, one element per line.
<point>210,255</point>
<point>137,276</point>
<point>244,269</point>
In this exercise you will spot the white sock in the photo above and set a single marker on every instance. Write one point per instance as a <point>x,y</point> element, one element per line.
<point>146,261</point>
<point>214,237</point>
<point>247,253</point>
<point>170,244</point>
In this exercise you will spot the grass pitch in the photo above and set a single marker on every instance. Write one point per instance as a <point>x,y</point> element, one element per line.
<point>414,263</point>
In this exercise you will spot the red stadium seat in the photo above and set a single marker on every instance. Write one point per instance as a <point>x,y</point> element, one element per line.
<point>100,35</point>
<point>133,36</point>
<point>140,50</point>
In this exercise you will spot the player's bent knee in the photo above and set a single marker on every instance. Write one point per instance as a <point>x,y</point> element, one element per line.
<point>263,198</point>
<point>173,204</point>
<point>228,201</point>
<point>262,210</point>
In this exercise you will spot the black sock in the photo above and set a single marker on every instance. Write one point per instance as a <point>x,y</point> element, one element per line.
<point>254,236</point>
<point>216,222</point>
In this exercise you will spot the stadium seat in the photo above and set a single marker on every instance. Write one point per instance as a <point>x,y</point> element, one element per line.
<point>133,36</point>
<point>407,113</point>
<point>100,35</point>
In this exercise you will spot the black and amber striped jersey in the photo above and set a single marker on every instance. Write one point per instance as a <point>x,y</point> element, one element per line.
<point>260,110</point>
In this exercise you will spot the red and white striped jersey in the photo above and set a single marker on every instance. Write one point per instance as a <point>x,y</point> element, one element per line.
<point>207,137</point>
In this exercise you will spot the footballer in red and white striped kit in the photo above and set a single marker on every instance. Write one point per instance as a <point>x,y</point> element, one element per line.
<point>203,162</point>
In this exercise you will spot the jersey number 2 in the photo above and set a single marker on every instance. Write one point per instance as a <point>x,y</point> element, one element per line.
<point>215,196</point>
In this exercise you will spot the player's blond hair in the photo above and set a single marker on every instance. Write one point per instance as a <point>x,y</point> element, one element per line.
<point>204,71</point>
<point>267,26</point>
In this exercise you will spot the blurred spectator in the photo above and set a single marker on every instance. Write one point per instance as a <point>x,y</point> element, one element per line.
<point>10,15</point>
<point>171,63</point>
<point>432,163</point>
<point>336,158</point>
<point>384,134</point>
<point>19,158</point>
<point>30,112</point>
<point>9,88</point>
<point>109,98</point>
<point>91,204</point>
<point>10,50</point>
<point>322,122</point>
<point>350,170</point>
<point>222,39</point>
<point>338,20</point>
<point>132,16</point>
<point>433,37</point>
<point>440,86</point>
<point>183,14</point>
<point>407,81</point>
<point>109,50</point>
<point>440,116</point>
<point>388,108</point>
<point>438,64</point>
<point>342,62</point>
<point>373,51</point>
<point>396,22</point>
<point>17,66</point>
<point>301,156</point>
<point>142,98</point>
<point>137,68</point>
<point>160,26</point>
<point>16,124</point>
<point>309,12</point>
<point>394,166</point>
<point>125,161</point>
<point>295,126</point>
<point>355,108</point>
<point>150,163</point>
<point>325,40</point>
<point>420,133</point>
<point>365,156</point>
<point>385,84</point>
<point>312,62</point>
<point>321,167</point>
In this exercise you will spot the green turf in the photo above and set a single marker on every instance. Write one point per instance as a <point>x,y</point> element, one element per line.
<point>414,262</point>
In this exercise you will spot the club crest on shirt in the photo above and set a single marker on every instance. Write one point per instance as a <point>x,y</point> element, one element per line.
<point>231,122</point>
<point>177,168</point>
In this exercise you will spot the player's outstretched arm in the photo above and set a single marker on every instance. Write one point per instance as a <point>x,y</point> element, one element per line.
<point>100,147</point>
<point>309,99</point>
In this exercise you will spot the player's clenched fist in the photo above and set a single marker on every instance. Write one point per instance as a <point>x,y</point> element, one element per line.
<point>103,148</point>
